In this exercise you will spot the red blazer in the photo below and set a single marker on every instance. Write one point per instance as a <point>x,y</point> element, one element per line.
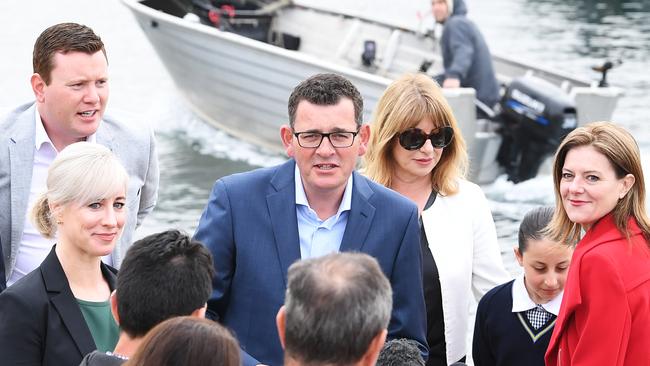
<point>605,313</point>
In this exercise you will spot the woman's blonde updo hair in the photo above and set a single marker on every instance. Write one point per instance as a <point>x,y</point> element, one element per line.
<point>403,105</point>
<point>83,173</point>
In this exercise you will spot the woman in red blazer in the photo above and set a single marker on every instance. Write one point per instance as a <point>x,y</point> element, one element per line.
<point>600,196</point>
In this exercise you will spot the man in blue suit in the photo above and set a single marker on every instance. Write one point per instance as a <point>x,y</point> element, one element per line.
<point>258,223</point>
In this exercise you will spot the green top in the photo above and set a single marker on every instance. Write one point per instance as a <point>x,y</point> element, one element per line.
<point>100,321</point>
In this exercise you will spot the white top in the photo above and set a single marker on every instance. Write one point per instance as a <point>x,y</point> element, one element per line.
<point>521,301</point>
<point>33,247</point>
<point>463,241</point>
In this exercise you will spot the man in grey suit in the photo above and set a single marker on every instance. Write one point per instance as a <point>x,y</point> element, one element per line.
<point>70,84</point>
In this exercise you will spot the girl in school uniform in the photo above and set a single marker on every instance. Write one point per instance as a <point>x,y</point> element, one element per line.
<point>514,321</point>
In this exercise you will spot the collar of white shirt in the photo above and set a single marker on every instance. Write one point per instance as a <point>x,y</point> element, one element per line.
<point>522,302</point>
<point>301,197</point>
<point>41,137</point>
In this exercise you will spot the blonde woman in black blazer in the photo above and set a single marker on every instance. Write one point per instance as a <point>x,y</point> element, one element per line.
<point>58,312</point>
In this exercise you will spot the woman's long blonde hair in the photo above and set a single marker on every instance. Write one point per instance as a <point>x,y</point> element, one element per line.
<point>403,105</point>
<point>622,151</point>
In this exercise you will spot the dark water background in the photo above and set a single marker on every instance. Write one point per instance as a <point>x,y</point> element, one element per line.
<point>571,35</point>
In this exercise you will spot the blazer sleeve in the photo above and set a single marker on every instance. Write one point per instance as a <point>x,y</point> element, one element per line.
<point>149,193</point>
<point>603,319</point>
<point>20,334</point>
<point>487,267</point>
<point>481,348</point>
<point>409,314</point>
<point>215,231</point>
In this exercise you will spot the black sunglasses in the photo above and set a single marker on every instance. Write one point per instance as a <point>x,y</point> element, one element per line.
<point>415,138</point>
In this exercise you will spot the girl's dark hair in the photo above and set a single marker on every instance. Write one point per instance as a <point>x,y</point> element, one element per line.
<point>533,225</point>
<point>187,341</point>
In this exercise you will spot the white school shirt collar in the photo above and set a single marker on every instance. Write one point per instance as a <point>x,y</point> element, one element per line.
<point>522,302</point>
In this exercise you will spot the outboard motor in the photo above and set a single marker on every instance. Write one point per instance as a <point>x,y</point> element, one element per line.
<point>536,116</point>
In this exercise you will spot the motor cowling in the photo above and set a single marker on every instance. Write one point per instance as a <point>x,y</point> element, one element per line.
<point>536,116</point>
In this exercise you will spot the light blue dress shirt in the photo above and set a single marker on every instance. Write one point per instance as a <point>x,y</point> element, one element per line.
<point>320,237</point>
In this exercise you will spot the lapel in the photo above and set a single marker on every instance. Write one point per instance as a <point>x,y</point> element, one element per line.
<point>105,137</point>
<point>601,232</point>
<point>64,302</point>
<point>360,216</point>
<point>281,203</point>
<point>21,157</point>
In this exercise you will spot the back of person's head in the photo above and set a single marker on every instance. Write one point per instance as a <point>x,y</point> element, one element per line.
<point>63,38</point>
<point>622,151</point>
<point>406,102</point>
<point>163,275</point>
<point>400,352</point>
<point>324,90</point>
<point>337,308</point>
<point>533,225</point>
<point>82,173</point>
<point>187,341</point>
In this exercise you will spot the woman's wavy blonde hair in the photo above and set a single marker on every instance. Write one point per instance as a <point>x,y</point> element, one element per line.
<point>403,105</point>
<point>622,151</point>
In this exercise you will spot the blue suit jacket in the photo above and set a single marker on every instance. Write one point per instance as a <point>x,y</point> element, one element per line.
<point>250,226</point>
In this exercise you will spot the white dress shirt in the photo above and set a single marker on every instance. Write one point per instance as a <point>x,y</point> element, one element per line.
<point>320,237</point>
<point>33,246</point>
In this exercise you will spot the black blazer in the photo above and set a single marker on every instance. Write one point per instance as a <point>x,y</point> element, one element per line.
<point>40,320</point>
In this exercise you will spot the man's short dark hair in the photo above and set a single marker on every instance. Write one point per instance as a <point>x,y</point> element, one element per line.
<point>335,306</point>
<point>400,352</point>
<point>325,89</point>
<point>64,38</point>
<point>163,275</point>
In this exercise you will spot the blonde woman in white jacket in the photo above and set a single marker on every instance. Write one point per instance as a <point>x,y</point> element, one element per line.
<point>416,149</point>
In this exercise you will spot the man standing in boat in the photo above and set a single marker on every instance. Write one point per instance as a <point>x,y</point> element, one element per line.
<point>258,223</point>
<point>465,54</point>
<point>70,84</point>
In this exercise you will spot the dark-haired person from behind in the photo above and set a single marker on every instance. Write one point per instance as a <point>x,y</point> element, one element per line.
<point>187,341</point>
<point>163,275</point>
<point>400,352</point>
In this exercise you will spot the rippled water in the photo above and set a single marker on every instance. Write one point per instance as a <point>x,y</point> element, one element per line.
<point>571,35</point>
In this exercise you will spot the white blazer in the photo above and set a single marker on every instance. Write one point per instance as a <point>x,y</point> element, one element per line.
<point>463,240</point>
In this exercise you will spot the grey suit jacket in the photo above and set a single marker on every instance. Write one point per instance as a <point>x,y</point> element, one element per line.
<point>133,145</point>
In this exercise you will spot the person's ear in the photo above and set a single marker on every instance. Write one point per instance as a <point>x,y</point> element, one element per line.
<point>372,353</point>
<point>286,134</point>
<point>628,182</point>
<point>200,312</point>
<point>519,256</point>
<point>38,86</point>
<point>280,323</point>
<point>113,300</point>
<point>364,138</point>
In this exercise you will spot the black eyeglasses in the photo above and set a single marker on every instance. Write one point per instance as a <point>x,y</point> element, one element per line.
<point>313,140</point>
<point>415,138</point>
